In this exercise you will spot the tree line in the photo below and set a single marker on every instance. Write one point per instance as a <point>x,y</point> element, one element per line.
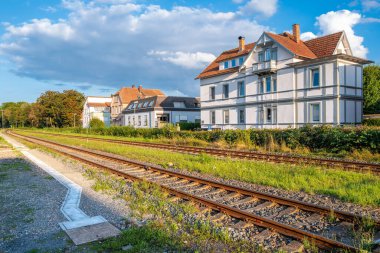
<point>51,109</point>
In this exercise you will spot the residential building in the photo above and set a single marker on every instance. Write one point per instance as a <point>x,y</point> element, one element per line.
<point>121,99</point>
<point>281,81</point>
<point>157,111</point>
<point>96,107</point>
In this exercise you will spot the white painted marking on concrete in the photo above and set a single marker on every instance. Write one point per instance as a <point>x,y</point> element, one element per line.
<point>70,207</point>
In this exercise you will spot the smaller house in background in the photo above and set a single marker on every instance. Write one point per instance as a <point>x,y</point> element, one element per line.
<point>97,107</point>
<point>157,111</point>
<point>121,99</point>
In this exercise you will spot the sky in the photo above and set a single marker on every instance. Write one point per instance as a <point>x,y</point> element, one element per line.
<point>99,46</point>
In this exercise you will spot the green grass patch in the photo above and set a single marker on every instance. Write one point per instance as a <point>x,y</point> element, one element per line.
<point>348,186</point>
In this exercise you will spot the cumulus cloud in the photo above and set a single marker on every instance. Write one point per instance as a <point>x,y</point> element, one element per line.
<point>106,43</point>
<point>196,60</point>
<point>308,36</point>
<point>343,20</point>
<point>266,8</point>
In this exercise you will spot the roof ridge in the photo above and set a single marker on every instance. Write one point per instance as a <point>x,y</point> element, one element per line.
<point>324,36</point>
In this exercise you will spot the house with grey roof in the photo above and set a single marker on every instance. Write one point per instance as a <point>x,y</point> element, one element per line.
<point>157,111</point>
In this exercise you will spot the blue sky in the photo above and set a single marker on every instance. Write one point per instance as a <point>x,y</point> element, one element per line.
<point>98,46</point>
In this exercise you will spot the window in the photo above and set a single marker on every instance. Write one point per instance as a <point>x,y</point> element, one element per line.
<point>151,103</point>
<point>226,65</point>
<point>226,91</point>
<point>261,56</point>
<point>241,89</point>
<point>212,116</point>
<point>241,116</point>
<point>145,120</point>
<point>233,63</point>
<point>267,54</point>
<point>315,113</point>
<point>139,105</point>
<point>315,77</point>
<point>241,61</point>
<point>267,84</point>
<point>274,54</point>
<point>274,80</point>
<point>226,116</point>
<point>133,119</point>
<point>269,115</point>
<point>274,117</point>
<point>261,85</point>
<point>212,93</point>
<point>261,115</point>
<point>183,118</point>
<point>179,105</point>
<point>129,120</point>
<point>139,120</point>
<point>145,103</point>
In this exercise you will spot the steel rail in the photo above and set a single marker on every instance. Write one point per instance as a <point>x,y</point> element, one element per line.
<point>278,158</point>
<point>320,241</point>
<point>248,192</point>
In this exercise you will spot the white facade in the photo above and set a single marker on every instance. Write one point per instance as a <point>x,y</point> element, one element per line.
<point>96,107</point>
<point>283,90</point>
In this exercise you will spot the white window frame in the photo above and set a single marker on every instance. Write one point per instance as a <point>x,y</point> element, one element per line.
<point>228,91</point>
<point>239,116</point>
<point>239,88</point>
<point>311,115</point>
<point>211,95</point>
<point>225,65</point>
<point>212,117</point>
<point>226,113</point>
<point>311,76</point>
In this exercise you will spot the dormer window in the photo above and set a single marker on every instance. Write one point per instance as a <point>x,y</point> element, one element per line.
<point>261,56</point>
<point>226,65</point>
<point>233,63</point>
<point>241,61</point>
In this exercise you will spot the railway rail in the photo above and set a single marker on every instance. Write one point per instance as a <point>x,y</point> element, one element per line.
<point>234,201</point>
<point>253,155</point>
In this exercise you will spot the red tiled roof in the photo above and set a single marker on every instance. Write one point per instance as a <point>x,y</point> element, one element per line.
<point>93,104</point>
<point>287,41</point>
<point>325,45</point>
<point>127,94</point>
<point>311,49</point>
<point>213,68</point>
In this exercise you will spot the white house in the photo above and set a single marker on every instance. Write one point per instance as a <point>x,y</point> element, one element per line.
<point>156,111</point>
<point>96,107</point>
<point>281,81</point>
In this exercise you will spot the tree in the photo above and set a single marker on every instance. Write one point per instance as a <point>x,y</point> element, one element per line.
<point>96,123</point>
<point>371,89</point>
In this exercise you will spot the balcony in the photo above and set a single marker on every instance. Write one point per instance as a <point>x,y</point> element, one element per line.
<point>264,67</point>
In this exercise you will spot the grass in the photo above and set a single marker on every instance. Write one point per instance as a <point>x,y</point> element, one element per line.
<point>348,186</point>
<point>364,155</point>
<point>169,226</point>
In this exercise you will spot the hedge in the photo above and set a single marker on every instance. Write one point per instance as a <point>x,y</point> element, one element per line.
<point>321,138</point>
<point>371,122</point>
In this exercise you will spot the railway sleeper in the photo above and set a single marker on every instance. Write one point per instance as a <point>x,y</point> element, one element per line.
<point>262,206</point>
<point>293,247</point>
<point>287,211</point>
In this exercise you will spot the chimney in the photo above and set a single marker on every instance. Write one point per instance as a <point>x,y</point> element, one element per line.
<point>133,86</point>
<point>296,33</point>
<point>140,87</point>
<point>241,43</point>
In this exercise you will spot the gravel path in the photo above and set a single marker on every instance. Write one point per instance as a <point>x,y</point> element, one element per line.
<point>30,202</point>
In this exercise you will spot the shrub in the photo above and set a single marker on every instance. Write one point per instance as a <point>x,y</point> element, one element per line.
<point>96,123</point>
<point>371,122</point>
<point>189,125</point>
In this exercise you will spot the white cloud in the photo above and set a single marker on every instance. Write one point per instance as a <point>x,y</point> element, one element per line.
<point>343,20</point>
<point>370,4</point>
<point>308,36</point>
<point>188,60</point>
<point>267,8</point>
<point>106,43</point>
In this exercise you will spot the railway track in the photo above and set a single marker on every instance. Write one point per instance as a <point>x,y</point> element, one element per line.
<point>242,204</point>
<point>253,155</point>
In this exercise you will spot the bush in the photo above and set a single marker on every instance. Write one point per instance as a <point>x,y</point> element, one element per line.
<point>371,122</point>
<point>322,138</point>
<point>96,123</point>
<point>189,125</point>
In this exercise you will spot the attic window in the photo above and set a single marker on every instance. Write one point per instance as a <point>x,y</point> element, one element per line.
<point>151,103</point>
<point>241,61</point>
<point>226,65</point>
<point>145,104</point>
<point>179,105</point>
